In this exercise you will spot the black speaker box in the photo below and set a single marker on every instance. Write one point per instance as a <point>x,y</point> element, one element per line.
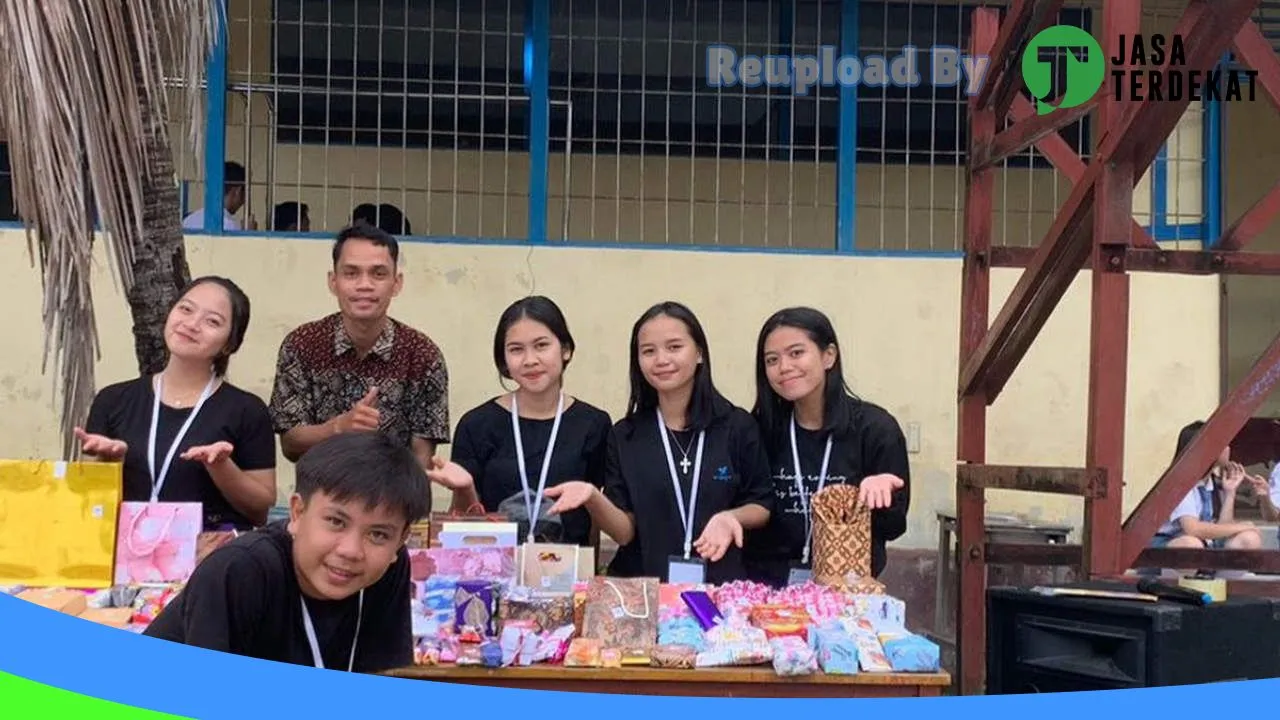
<point>1038,643</point>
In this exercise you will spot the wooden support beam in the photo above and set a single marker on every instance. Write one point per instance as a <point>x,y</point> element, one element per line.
<point>1253,222</point>
<point>1195,461</point>
<point>1054,480</point>
<point>1253,49</point>
<point>1046,554</point>
<point>1061,156</point>
<point>1132,141</point>
<point>1109,315</point>
<point>1208,27</point>
<point>1183,262</point>
<point>971,430</point>
<point>1024,20</point>
<point>1191,262</point>
<point>1027,131</point>
<point>1264,561</point>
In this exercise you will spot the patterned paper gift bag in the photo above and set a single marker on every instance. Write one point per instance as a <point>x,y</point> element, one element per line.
<point>157,542</point>
<point>622,613</point>
<point>58,522</point>
<point>841,536</point>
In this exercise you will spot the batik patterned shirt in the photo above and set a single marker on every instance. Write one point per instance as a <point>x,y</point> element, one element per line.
<point>319,375</point>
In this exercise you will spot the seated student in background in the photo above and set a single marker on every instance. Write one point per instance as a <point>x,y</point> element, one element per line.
<point>359,368</point>
<point>1268,492</point>
<point>534,438</point>
<point>329,587</point>
<point>818,433</point>
<point>1206,516</point>
<point>185,434</point>
<point>679,520</point>
<point>385,216</point>
<point>291,216</point>
<point>233,198</point>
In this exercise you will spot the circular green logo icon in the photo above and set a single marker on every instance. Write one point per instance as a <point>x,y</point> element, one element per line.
<point>1085,70</point>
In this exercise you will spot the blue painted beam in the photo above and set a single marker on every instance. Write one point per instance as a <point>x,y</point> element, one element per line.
<point>215,121</point>
<point>537,73</point>
<point>847,139</point>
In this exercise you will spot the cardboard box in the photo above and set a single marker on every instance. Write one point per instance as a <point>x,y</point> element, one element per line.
<point>113,617</point>
<point>459,535</point>
<point>71,602</point>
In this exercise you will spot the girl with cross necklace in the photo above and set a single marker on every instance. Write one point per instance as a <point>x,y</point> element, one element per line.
<point>680,522</point>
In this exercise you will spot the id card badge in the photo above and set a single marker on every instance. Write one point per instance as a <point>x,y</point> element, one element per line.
<point>799,574</point>
<point>681,571</point>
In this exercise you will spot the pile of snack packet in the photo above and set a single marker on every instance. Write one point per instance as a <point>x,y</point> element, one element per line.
<point>799,630</point>
<point>127,607</point>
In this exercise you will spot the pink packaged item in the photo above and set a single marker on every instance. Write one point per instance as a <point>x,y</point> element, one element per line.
<point>792,656</point>
<point>490,563</point>
<point>156,542</point>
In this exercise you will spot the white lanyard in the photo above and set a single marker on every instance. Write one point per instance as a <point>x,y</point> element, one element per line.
<point>157,481</point>
<point>804,496</point>
<point>315,644</point>
<point>686,518</point>
<point>533,506</point>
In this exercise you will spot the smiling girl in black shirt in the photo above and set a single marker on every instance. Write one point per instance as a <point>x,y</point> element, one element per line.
<point>536,437</point>
<point>816,429</point>
<point>185,434</point>
<point>686,473</point>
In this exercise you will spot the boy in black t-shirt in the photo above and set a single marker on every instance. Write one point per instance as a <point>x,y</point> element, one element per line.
<point>329,587</point>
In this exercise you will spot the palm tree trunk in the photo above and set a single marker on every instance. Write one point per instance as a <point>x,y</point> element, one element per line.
<point>160,260</point>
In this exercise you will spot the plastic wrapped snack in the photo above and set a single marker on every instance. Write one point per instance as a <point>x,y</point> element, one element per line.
<point>427,652</point>
<point>554,645</point>
<point>781,620</point>
<point>469,654</point>
<point>476,609</point>
<point>682,631</point>
<point>792,656</point>
<point>884,613</point>
<point>908,652</point>
<point>583,652</point>
<point>548,612</point>
<point>519,641</point>
<point>871,655</point>
<point>736,635</point>
<point>836,650</point>
<point>819,601</point>
<point>735,599</point>
<point>673,656</point>
<point>611,657</point>
<point>491,654</point>
<point>745,653</point>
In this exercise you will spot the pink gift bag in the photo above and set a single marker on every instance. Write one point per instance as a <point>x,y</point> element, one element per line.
<point>156,542</point>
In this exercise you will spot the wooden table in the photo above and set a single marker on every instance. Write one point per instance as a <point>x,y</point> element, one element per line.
<point>755,682</point>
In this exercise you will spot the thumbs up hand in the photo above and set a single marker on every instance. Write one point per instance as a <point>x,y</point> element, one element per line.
<point>364,415</point>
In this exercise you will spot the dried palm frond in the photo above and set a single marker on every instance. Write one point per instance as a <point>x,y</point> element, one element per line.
<point>77,80</point>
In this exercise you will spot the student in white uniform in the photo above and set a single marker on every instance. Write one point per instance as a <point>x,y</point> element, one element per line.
<point>233,197</point>
<point>1268,492</point>
<point>1206,516</point>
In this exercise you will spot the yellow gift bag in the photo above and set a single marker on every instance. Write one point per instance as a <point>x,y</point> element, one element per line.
<point>58,522</point>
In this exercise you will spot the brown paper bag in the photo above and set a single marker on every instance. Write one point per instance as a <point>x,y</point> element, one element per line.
<point>841,536</point>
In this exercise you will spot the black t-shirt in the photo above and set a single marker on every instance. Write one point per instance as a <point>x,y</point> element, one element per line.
<point>244,599</point>
<point>485,446</point>
<point>873,445</point>
<point>123,412</point>
<point>735,472</point>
